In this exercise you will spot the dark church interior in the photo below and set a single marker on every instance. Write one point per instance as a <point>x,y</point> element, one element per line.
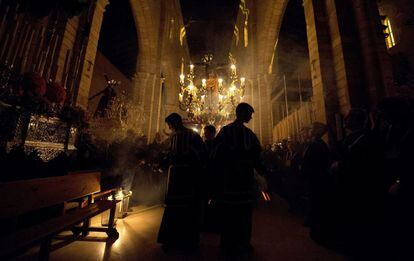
<point>207,130</point>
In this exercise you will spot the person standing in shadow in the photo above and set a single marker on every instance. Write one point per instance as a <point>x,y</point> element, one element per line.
<point>209,135</point>
<point>361,183</point>
<point>315,164</point>
<point>236,157</point>
<point>180,223</point>
<point>209,207</point>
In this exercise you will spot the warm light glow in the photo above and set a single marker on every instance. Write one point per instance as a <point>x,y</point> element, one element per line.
<point>195,129</point>
<point>266,196</point>
<point>215,104</point>
<point>191,88</point>
<point>390,40</point>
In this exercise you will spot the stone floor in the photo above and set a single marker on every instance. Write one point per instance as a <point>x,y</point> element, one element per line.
<point>277,235</point>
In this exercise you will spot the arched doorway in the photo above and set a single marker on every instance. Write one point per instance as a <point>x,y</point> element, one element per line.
<point>116,61</point>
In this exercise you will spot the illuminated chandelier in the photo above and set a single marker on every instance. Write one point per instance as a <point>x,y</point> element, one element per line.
<point>211,99</point>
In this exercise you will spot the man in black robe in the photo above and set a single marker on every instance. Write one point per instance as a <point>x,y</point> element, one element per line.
<point>361,187</point>
<point>315,164</point>
<point>210,215</point>
<point>237,155</point>
<point>209,135</point>
<point>180,223</point>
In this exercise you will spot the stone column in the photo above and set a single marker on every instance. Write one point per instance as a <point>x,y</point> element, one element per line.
<point>248,98</point>
<point>265,109</point>
<point>171,93</point>
<point>255,102</point>
<point>321,64</point>
<point>376,61</point>
<point>141,80</point>
<point>155,108</point>
<point>88,61</point>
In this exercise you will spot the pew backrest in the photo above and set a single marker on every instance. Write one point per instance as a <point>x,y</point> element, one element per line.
<point>20,197</point>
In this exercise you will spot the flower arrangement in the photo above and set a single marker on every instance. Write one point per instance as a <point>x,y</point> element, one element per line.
<point>33,85</point>
<point>76,116</point>
<point>55,93</point>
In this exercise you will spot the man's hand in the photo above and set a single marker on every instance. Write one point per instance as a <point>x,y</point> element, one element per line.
<point>261,182</point>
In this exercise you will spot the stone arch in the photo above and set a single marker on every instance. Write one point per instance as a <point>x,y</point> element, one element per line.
<point>273,12</point>
<point>159,58</point>
<point>121,48</point>
<point>116,54</point>
<point>147,32</point>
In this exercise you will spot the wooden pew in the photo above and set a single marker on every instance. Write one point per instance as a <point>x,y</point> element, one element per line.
<point>20,198</point>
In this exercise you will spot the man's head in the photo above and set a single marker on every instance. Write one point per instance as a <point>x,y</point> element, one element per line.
<point>209,132</point>
<point>318,129</point>
<point>305,133</point>
<point>357,119</point>
<point>158,137</point>
<point>130,134</point>
<point>290,143</point>
<point>244,112</point>
<point>174,121</point>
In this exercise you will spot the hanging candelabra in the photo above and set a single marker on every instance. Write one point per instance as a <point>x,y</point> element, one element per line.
<point>211,100</point>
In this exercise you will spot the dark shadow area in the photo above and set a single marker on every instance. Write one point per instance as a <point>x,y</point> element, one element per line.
<point>118,37</point>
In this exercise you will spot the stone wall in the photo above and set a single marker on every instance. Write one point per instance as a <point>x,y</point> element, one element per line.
<point>342,76</point>
<point>104,66</point>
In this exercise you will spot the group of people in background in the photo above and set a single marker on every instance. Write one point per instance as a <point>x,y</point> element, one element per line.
<point>356,193</point>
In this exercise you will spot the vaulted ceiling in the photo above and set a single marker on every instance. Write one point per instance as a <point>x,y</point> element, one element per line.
<point>209,25</point>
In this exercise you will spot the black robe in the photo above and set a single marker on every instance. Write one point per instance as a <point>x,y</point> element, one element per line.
<point>237,155</point>
<point>361,192</point>
<point>180,222</point>
<point>316,161</point>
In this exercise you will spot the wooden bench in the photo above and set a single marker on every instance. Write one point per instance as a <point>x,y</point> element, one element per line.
<point>21,198</point>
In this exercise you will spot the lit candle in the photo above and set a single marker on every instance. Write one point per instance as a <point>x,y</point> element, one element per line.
<point>191,87</point>
<point>191,67</point>
<point>182,78</point>
<point>242,80</point>
<point>220,81</point>
<point>204,82</point>
<point>233,68</point>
